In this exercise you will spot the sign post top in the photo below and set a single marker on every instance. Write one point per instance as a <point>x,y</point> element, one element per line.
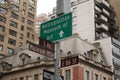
<point>57,28</point>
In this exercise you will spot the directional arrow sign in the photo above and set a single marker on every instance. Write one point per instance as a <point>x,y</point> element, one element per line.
<point>57,29</point>
<point>61,33</point>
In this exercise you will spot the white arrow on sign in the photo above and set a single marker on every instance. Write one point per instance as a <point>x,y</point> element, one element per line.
<point>61,33</point>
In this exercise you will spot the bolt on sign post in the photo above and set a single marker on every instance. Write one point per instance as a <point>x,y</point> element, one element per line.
<point>57,29</point>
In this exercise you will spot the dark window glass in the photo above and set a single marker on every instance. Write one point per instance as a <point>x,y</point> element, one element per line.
<point>30,15</point>
<point>2,28</point>
<point>14,15</point>
<point>2,19</point>
<point>30,22</point>
<point>11,41</point>
<point>10,51</point>
<point>1,38</point>
<point>36,77</point>
<point>15,8</point>
<point>14,24</point>
<point>12,32</point>
<point>3,10</point>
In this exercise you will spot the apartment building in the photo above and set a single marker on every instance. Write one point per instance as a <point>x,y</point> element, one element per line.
<point>116,6</point>
<point>93,19</point>
<point>17,19</point>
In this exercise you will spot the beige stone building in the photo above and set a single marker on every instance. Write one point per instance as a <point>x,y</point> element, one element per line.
<point>116,6</point>
<point>17,19</point>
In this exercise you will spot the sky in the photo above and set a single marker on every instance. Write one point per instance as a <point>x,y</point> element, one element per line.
<point>45,6</point>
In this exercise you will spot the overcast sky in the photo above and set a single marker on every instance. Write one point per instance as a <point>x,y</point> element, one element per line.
<point>45,6</point>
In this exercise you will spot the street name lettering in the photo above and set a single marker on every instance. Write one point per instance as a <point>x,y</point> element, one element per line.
<point>69,61</point>
<point>41,50</point>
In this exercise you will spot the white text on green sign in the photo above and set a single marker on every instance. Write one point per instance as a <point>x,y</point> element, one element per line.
<point>57,28</point>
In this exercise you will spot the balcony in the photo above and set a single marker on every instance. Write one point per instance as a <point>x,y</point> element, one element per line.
<point>116,52</point>
<point>102,27</point>
<point>116,72</point>
<point>116,61</point>
<point>115,41</point>
<point>98,9</point>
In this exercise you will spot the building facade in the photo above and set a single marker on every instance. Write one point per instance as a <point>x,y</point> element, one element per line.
<point>85,69</point>
<point>17,19</point>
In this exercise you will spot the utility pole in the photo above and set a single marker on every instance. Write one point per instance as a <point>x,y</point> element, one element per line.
<point>63,7</point>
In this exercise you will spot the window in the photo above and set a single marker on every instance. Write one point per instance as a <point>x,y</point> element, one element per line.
<point>30,29</point>
<point>32,2</point>
<point>12,32</point>
<point>32,37</point>
<point>3,10</point>
<point>10,51</point>
<point>23,19</point>
<point>15,8</point>
<point>21,36</point>
<point>104,78</point>
<point>27,42</point>
<point>24,4</point>
<point>14,24</point>
<point>20,44</point>
<point>1,47</point>
<point>2,28</point>
<point>30,22</point>
<point>87,75</point>
<point>4,2</point>
<point>73,3</point>
<point>30,15</point>
<point>14,15</point>
<point>75,27</point>
<point>31,8</point>
<point>17,1</point>
<point>74,11</point>
<point>2,19</point>
<point>11,41</point>
<point>22,27</point>
<point>95,77</point>
<point>28,35</point>
<point>23,12</point>
<point>21,78</point>
<point>74,19</point>
<point>1,38</point>
<point>67,75</point>
<point>36,77</point>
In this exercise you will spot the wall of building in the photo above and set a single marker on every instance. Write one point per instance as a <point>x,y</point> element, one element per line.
<point>27,73</point>
<point>76,45</point>
<point>85,20</point>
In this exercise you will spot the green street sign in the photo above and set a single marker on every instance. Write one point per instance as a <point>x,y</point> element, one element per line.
<point>58,28</point>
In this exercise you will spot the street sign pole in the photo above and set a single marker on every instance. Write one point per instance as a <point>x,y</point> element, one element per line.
<point>57,59</point>
<point>63,7</point>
